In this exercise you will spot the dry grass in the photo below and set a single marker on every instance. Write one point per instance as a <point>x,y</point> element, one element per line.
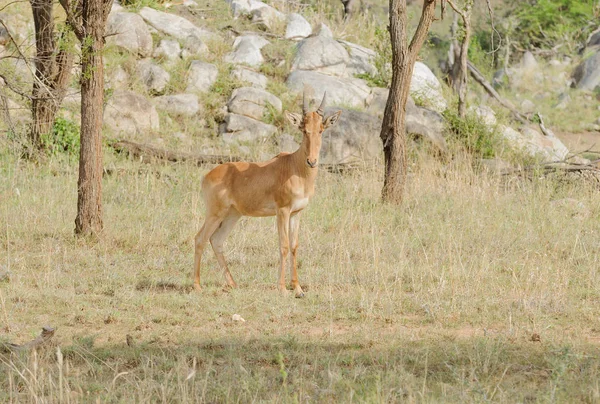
<point>434,300</point>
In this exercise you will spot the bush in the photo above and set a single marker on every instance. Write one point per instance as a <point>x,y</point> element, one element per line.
<point>65,137</point>
<point>474,135</point>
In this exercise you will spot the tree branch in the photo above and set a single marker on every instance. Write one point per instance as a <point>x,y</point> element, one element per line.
<point>72,19</point>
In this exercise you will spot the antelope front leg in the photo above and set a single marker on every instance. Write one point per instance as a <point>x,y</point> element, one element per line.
<point>294,226</point>
<point>283,224</point>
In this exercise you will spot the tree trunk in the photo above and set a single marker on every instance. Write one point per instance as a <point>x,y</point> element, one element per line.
<point>393,128</point>
<point>52,72</point>
<point>89,187</point>
<point>459,69</point>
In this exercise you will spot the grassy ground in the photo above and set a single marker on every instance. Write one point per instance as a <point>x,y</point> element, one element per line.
<point>476,289</point>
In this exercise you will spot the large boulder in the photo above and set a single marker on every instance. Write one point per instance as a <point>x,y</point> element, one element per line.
<point>340,90</point>
<point>361,59</point>
<point>129,113</point>
<point>129,31</point>
<point>297,27</point>
<point>355,137</point>
<point>426,88</point>
<point>167,49</point>
<point>252,102</point>
<point>587,74</point>
<point>239,128</point>
<point>154,77</point>
<point>267,16</point>
<point>179,104</point>
<point>241,7</point>
<point>246,50</point>
<point>201,76</point>
<point>175,25</point>
<point>321,53</point>
<point>252,77</point>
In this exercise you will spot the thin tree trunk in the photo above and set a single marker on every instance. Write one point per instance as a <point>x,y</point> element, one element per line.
<point>53,69</point>
<point>393,128</point>
<point>459,72</point>
<point>89,187</point>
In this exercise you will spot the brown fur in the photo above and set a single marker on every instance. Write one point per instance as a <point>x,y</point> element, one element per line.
<point>279,187</point>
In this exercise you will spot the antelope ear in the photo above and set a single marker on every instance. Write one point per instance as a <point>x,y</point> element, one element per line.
<point>331,119</point>
<point>295,119</point>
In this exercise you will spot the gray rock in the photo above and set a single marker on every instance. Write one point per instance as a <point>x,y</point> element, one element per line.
<point>167,49</point>
<point>154,77</point>
<point>593,39</point>
<point>528,62</point>
<point>240,7</point>
<point>174,25</point>
<point>267,16</point>
<point>355,138</point>
<point>297,27</point>
<point>425,87</point>
<point>361,59</point>
<point>243,129</point>
<point>534,143</point>
<point>587,74</point>
<point>129,113</point>
<point>287,143</point>
<point>378,101</point>
<point>527,106</point>
<point>246,50</point>
<point>118,78</point>
<point>252,102</point>
<point>180,104</point>
<point>426,124</point>
<point>201,76</point>
<point>129,31</point>
<point>485,113</point>
<point>250,76</point>
<point>564,99</point>
<point>321,53</point>
<point>341,91</point>
<point>193,46</point>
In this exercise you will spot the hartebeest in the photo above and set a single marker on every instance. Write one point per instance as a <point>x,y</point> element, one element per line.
<point>279,187</point>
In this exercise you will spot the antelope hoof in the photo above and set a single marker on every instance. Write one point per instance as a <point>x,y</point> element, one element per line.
<point>198,287</point>
<point>298,292</point>
<point>232,285</point>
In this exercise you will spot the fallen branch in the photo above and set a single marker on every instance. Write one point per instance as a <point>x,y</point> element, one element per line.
<point>142,151</point>
<point>42,339</point>
<point>476,74</point>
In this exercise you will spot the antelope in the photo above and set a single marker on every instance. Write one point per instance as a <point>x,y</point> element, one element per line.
<point>279,187</point>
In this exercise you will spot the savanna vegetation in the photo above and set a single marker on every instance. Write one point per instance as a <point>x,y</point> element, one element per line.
<point>478,287</point>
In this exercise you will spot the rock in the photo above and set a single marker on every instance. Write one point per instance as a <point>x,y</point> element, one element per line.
<point>129,113</point>
<point>154,77</point>
<point>267,16</point>
<point>425,88</point>
<point>239,7</point>
<point>243,129</point>
<point>535,144</point>
<point>287,143</point>
<point>485,113</point>
<point>118,78</point>
<point>194,47</point>
<point>555,63</point>
<point>246,50</point>
<point>587,74</point>
<point>174,25</point>
<point>252,102</point>
<point>355,138</point>
<point>297,27</point>
<point>201,76</point>
<point>341,91</point>
<point>116,8</point>
<point>593,39</point>
<point>427,124</point>
<point>129,31</point>
<point>527,106</point>
<point>564,100</point>
<point>528,62</point>
<point>167,49</point>
<point>180,104</point>
<point>361,59</point>
<point>378,101</point>
<point>322,53</point>
<point>254,78</point>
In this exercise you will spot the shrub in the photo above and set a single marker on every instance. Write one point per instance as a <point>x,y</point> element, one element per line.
<point>474,135</point>
<point>65,137</point>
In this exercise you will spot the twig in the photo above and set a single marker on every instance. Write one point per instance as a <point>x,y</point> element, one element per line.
<point>146,151</point>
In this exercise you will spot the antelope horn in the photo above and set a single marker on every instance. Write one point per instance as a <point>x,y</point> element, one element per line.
<point>304,101</point>
<point>323,103</point>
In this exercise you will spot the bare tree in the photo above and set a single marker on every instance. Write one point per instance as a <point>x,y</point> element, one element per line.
<point>94,14</point>
<point>53,64</point>
<point>393,128</point>
<point>458,56</point>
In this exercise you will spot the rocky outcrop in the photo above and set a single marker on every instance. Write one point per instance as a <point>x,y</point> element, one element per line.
<point>321,53</point>
<point>201,76</point>
<point>252,102</point>
<point>128,31</point>
<point>130,113</point>
<point>239,128</point>
<point>252,77</point>
<point>340,90</point>
<point>178,105</point>
<point>174,25</point>
<point>297,27</point>
<point>246,50</point>
<point>154,77</point>
<point>426,88</point>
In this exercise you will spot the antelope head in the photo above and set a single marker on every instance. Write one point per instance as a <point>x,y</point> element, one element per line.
<point>312,125</point>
